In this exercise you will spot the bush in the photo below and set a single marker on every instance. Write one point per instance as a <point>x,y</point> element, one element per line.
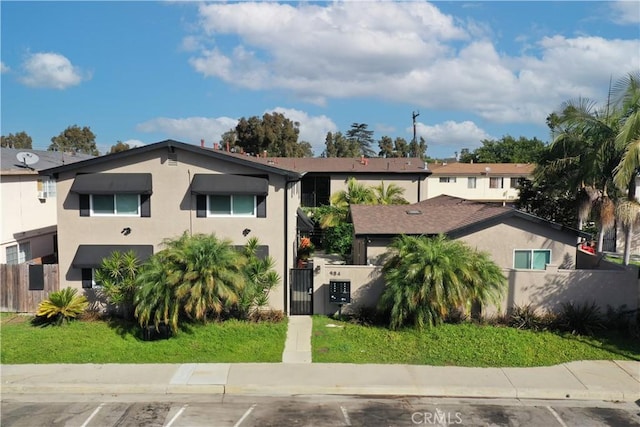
<point>271,316</point>
<point>368,316</point>
<point>526,317</point>
<point>456,316</point>
<point>61,306</point>
<point>117,279</point>
<point>618,319</point>
<point>582,319</point>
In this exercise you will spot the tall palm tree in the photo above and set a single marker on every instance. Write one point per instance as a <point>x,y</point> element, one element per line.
<point>389,195</point>
<point>426,277</point>
<point>627,97</point>
<point>355,194</point>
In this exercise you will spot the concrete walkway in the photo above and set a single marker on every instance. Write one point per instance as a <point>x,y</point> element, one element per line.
<point>297,347</point>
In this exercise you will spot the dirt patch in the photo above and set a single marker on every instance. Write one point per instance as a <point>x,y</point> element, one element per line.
<point>15,318</point>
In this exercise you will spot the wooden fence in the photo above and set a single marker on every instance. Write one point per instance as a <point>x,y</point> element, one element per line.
<point>24,286</point>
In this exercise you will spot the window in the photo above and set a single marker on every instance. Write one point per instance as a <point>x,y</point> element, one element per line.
<point>447,179</point>
<point>496,182</point>
<point>515,182</point>
<point>232,205</point>
<point>17,254</point>
<point>46,188</point>
<point>471,182</point>
<point>535,259</point>
<point>115,205</point>
<point>89,278</point>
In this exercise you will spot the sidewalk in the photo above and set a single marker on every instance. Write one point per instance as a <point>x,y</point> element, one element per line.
<point>583,380</point>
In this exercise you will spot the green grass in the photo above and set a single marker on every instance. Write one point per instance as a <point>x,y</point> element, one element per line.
<point>461,345</point>
<point>102,342</point>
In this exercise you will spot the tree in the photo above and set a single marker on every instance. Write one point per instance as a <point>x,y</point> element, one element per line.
<point>361,137</point>
<point>19,140</point>
<point>337,145</point>
<point>260,279</point>
<point>273,133</point>
<point>386,147</point>
<point>627,97</point>
<point>356,193</point>
<point>505,150</point>
<point>117,279</point>
<point>74,138</point>
<point>389,195</point>
<point>547,201</point>
<point>118,147</point>
<point>427,277</point>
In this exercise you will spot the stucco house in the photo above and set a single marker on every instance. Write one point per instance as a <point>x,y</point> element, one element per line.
<point>487,182</point>
<point>515,240</point>
<point>135,199</point>
<point>28,203</point>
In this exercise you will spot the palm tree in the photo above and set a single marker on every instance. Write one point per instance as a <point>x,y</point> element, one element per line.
<point>117,278</point>
<point>261,278</point>
<point>427,277</point>
<point>627,91</point>
<point>356,194</point>
<point>389,195</point>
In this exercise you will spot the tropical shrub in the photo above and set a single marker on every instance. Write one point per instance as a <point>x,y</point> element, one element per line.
<point>196,276</point>
<point>62,306</point>
<point>580,319</point>
<point>117,279</point>
<point>527,317</point>
<point>426,277</point>
<point>260,278</point>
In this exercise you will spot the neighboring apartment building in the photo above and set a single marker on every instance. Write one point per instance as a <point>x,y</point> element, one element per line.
<point>28,203</point>
<point>486,182</point>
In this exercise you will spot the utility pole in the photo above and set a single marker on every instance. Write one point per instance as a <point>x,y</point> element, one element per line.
<point>414,115</point>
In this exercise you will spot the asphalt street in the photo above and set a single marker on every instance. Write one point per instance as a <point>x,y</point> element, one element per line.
<point>307,411</point>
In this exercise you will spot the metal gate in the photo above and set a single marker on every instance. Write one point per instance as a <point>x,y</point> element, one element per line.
<point>609,240</point>
<point>301,291</point>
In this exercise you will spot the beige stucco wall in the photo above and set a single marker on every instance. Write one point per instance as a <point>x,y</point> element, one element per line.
<point>173,212</point>
<point>25,217</point>
<point>481,192</point>
<point>414,185</point>
<point>544,290</point>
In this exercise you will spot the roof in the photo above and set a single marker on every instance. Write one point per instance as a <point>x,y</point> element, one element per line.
<point>409,165</point>
<point>171,144</point>
<point>439,215</point>
<point>502,169</point>
<point>10,165</point>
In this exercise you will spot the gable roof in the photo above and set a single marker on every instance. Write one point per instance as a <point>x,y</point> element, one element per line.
<point>360,165</point>
<point>439,215</point>
<point>502,169</point>
<point>171,144</point>
<point>10,165</point>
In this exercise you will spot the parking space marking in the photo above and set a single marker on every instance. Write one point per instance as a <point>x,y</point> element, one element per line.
<point>93,414</point>
<point>246,414</point>
<point>347,420</point>
<point>557,417</point>
<point>175,417</point>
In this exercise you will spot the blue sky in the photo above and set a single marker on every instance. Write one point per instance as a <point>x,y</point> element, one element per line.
<point>141,72</point>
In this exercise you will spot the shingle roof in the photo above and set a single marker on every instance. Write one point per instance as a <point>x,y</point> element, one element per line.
<point>503,169</point>
<point>442,214</point>
<point>342,164</point>
<point>10,165</point>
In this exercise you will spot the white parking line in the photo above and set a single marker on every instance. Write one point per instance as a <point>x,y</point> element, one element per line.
<point>246,414</point>
<point>347,420</point>
<point>93,414</point>
<point>175,417</point>
<point>557,417</point>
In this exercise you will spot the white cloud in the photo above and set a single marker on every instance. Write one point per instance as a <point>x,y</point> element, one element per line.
<point>313,129</point>
<point>4,68</point>
<point>190,129</point>
<point>452,136</point>
<point>626,12</point>
<point>134,143</point>
<point>51,70</point>
<point>405,52</point>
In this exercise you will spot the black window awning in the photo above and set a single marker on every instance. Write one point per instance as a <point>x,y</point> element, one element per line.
<point>222,184</point>
<point>111,183</point>
<point>91,256</point>
<point>304,223</point>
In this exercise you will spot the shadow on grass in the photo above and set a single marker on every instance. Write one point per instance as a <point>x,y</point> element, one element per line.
<point>131,328</point>
<point>621,343</point>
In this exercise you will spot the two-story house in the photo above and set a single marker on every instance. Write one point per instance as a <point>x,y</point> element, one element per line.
<point>28,203</point>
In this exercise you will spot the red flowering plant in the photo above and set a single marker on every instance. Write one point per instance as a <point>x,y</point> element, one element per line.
<point>305,249</point>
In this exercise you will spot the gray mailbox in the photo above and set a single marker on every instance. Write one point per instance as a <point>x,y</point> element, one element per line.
<point>340,291</point>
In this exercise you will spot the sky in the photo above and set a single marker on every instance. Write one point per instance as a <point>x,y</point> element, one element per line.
<point>142,72</point>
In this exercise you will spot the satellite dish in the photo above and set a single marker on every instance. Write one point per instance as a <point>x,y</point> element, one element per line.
<point>27,158</point>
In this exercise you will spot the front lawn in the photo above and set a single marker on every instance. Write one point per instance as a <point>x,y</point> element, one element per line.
<point>463,344</point>
<point>230,341</point>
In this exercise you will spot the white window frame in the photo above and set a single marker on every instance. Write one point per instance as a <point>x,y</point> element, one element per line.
<point>470,180</point>
<point>512,180</point>
<point>231,214</point>
<point>115,205</point>
<point>23,253</point>
<point>531,264</point>
<point>46,187</point>
<point>447,179</point>
<point>492,178</point>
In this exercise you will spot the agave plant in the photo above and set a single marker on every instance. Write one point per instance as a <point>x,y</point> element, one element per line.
<point>62,306</point>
